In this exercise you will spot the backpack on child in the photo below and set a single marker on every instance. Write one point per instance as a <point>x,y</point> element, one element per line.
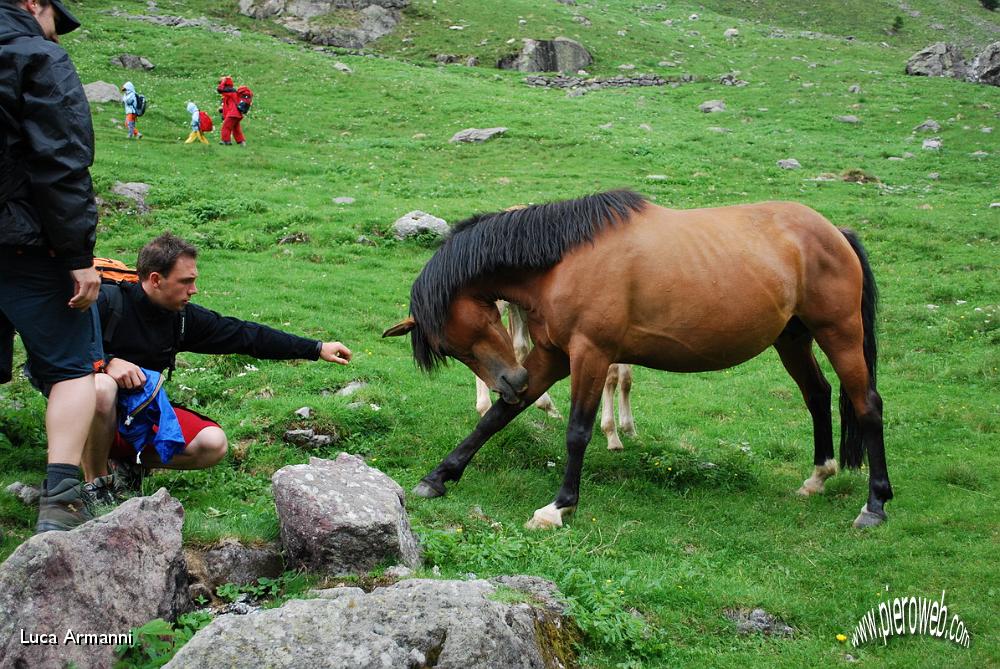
<point>204,122</point>
<point>244,99</point>
<point>140,104</point>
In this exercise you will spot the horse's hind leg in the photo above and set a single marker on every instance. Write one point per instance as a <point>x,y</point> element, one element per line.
<point>794,346</point>
<point>843,346</point>
<point>625,418</point>
<point>608,410</point>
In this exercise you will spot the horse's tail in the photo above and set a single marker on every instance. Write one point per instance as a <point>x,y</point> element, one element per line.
<point>851,447</point>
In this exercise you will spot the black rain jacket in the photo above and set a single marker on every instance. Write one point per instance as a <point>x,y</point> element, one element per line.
<point>150,336</point>
<point>46,146</point>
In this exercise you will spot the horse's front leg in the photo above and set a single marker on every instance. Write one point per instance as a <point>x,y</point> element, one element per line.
<point>545,367</point>
<point>588,382</point>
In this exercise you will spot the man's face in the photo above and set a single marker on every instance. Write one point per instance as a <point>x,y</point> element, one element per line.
<point>46,17</point>
<point>174,291</point>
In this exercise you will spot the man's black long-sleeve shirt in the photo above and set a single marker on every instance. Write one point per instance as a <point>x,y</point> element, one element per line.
<point>149,336</point>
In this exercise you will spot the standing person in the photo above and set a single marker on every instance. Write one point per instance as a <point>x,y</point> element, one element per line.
<point>231,116</point>
<point>48,220</point>
<point>196,132</point>
<point>131,113</point>
<point>155,319</point>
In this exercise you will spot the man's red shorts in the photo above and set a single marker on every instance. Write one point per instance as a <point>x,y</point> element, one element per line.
<point>191,424</point>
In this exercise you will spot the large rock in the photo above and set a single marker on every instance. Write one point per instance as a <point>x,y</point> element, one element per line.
<point>341,515</point>
<point>985,68</point>
<point>345,23</point>
<point>232,562</point>
<point>418,222</point>
<point>473,135</point>
<point>102,91</point>
<point>135,191</point>
<point>132,62</point>
<point>558,55</point>
<point>938,60</point>
<point>105,577</point>
<point>415,623</point>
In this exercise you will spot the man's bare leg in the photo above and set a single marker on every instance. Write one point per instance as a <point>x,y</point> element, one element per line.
<point>207,449</point>
<point>68,417</point>
<point>102,428</point>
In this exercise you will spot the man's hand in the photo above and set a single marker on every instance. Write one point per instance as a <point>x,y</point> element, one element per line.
<point>125,374</point>
<point>87,284</point>
<point>334,351</point>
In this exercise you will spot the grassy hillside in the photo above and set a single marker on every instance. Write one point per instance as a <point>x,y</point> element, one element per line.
<point>661,544</point>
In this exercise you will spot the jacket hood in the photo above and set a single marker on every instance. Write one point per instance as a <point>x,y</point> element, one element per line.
<point>16,22</point>
<point>192,108</point>
<point>226,81</point>
<point>128,87</point>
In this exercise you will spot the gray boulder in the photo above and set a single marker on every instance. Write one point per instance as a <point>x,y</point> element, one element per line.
<point>418,222</point>
<point>930,125</point>
<point>131,62</point>
<point>232,562</point>
<point>340,516</point>
<point>477,134</point>
<point>414,623</point>
<point>107,576</point>
<point>558,55</point>
<point>135,191</point>
<point>102,91</point>
<point>938,60</point>
<point>985,68</point>
<point>712,106</point>
<point>789,164</point>
<point>345,23</point>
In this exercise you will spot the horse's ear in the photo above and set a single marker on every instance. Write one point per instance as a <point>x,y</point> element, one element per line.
<point>400,328</point>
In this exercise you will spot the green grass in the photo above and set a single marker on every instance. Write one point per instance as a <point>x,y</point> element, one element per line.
<point>660,546</point>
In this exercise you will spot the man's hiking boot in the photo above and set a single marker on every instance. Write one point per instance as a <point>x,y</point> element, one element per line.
<point>126,478</point>
<point>99,495</point>
<point>62,508</point>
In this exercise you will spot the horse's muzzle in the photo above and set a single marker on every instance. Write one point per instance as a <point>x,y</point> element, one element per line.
<point>511,385</point>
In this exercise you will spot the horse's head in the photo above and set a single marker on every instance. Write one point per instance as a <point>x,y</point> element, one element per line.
<point>473,334</point>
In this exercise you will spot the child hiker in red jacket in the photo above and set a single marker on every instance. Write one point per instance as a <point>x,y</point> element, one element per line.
<point>231,116</point>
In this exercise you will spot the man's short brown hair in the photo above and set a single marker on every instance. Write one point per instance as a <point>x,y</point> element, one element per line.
<point>161,254</point>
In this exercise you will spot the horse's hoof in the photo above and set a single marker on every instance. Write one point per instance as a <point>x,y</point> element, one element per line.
<point>869,518</point>
<point>811,486</point>
<point>553,413</point>
<point>615,445</point>
<point>548,517</point>
<point>427,491</point>
<point>629,431</point>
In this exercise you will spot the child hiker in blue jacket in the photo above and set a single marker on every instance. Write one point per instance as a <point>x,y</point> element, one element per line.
<point>196,131</point>
<point>131,114</point>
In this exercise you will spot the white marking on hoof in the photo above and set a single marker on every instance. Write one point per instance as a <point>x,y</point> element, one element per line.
<point>814,484</point>
<point>615,444</point>
<point>548,517</point>
<point>868,518</point>
<point>546,404</point>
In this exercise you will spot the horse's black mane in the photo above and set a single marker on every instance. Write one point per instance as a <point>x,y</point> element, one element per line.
<point>535,237</point>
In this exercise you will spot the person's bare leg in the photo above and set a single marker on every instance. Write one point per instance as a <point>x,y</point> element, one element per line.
<point>207,449</point>
<point>68,418</point>
<point>102,428</point>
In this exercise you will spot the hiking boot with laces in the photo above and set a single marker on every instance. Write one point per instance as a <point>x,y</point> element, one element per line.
<point>126,478</point>
<point>99,495</point>
<point>61,508</point>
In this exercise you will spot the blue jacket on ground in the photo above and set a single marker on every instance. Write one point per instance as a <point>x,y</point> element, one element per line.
<point>139,411</point>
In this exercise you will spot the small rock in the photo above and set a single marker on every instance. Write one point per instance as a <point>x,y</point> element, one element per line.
<point>849,118</point>
<point>934,176</point>
<point>854,89</point>
<point>979,154</point>
<point>657,177</point>
<point>417,222</point>
<point>299,437</point>
<point>932,144</point>
<point>477,134</point>
<point>712,106</point>
<point>27,494</point>
<point>994,205</point>
<point>340,67</point>
<point>399,571</point>
<point>930,125</point>
<point>294,238</point>
<point>626,66</point>
<point>731,33</point>
<point>363,240</point>
<point>304,412</point>
<point>649,128</point>
<point>717,129</point>
<point>789,164</point>
<point>343,200</point>
<point>693,17</point>
<point>351,388</point>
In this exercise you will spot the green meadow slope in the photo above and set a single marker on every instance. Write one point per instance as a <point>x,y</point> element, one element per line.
<point>662,543</point>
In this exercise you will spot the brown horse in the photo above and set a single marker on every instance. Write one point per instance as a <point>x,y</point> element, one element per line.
<point>689,291</point>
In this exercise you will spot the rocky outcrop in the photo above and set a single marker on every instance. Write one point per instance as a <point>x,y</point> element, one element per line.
<point>103,578</point>
<point>132,62</point>
<point>510,622</point>
<point>985,68</point>
<point>101,91</point>
<point>342,516</point>
<point>938,60</point>
<point>345,23</point>
<point>558,55</point>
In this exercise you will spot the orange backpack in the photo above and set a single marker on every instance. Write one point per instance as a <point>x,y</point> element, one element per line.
<point>115,271</point>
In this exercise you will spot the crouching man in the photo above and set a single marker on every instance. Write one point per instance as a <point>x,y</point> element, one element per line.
<point>145,325</point>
